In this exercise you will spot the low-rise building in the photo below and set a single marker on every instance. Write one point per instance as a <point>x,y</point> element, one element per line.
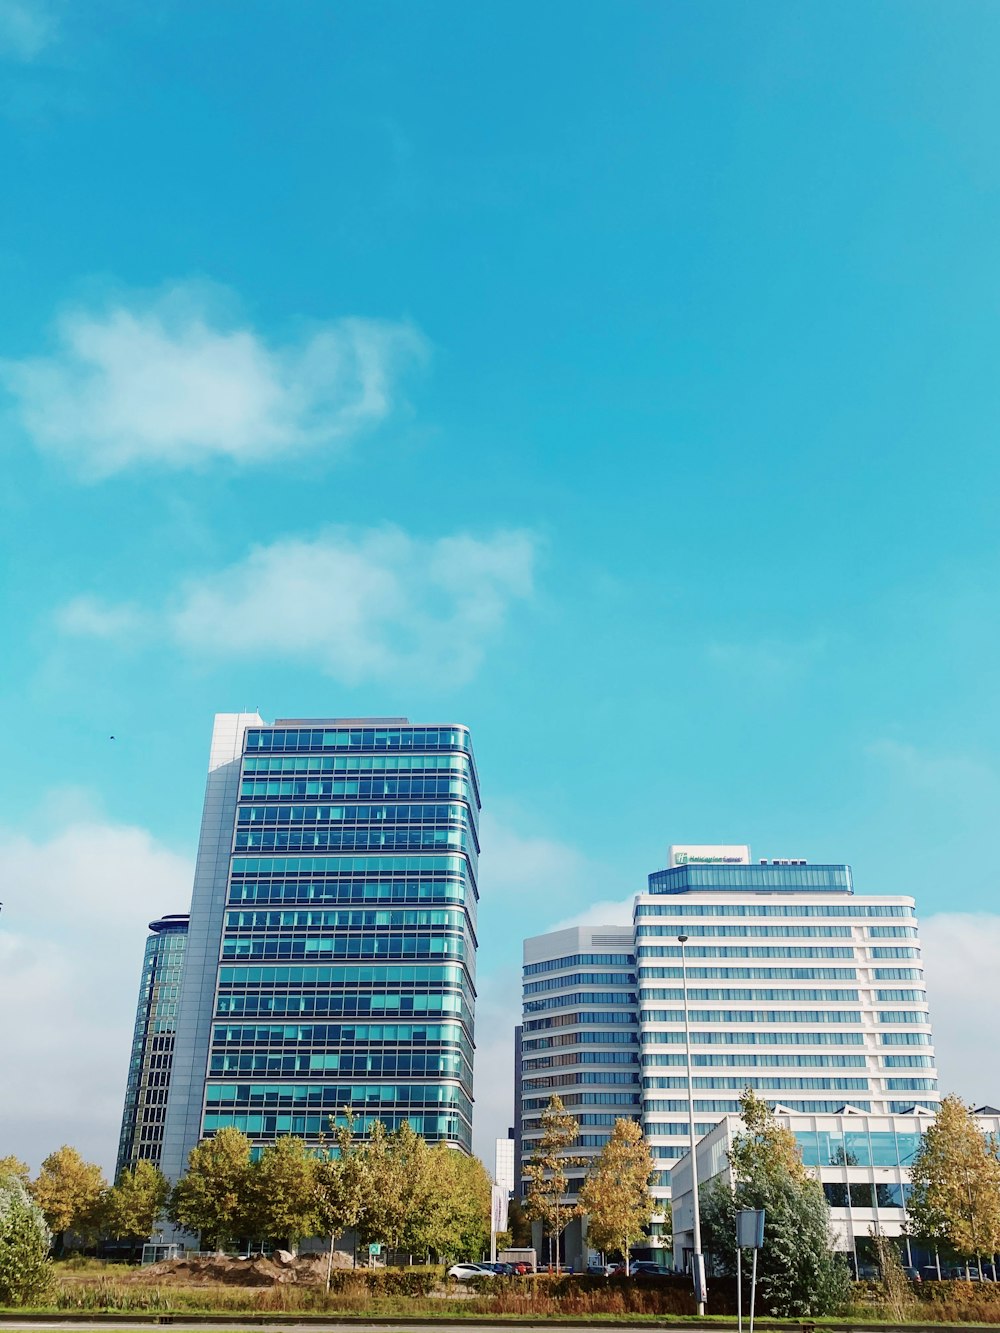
<point>863,1162</point>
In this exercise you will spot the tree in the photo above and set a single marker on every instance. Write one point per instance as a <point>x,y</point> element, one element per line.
<point>383,1171</point>
<point>25,1274</point>
<point>548,1183</point>
<point>213,1197</point>
<point>283,1193</point>
<point>615,1196</point>
<point>70,1193</point>
<point>135,1201</point>
<point>13,1166</point>
<point>955,1184</point>
<point>799,1274</point>
<point>764,1146</point>
<point>458,1220</point>
<point>339,1185</point>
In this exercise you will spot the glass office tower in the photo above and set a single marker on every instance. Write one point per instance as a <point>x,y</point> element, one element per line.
<point>333,933</point>
<point>153,1043</point>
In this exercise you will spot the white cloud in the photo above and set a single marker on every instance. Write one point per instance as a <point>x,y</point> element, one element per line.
<point>366,606</point>
<point>173,380</point>
<point>498,1011</point>
<point>607,913</point>
<point>72,932</point>
<point>27,27</point>
<point>527,866</point>
<point>92,618</point>
<point>767,662</point>
<point>962,961</point>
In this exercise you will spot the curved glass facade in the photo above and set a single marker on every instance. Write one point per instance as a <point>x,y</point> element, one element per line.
<point>153,1043</point>
<point>342,937</point>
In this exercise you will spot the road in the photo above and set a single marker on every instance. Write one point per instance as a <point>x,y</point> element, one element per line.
<point>178,1324</point>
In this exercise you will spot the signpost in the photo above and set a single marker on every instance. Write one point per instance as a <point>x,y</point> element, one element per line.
<point>749,1236</point>
<point>374,1249</point>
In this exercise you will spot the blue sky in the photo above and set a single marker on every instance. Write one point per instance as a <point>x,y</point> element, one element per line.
<point>617,379</point>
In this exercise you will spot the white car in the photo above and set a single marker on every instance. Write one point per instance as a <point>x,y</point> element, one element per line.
<point>469,1272</point>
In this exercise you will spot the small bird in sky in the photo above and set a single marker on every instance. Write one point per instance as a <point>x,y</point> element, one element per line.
<point>111,738</point>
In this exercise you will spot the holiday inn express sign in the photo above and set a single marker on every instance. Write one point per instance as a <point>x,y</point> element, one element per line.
<point>704,855</point>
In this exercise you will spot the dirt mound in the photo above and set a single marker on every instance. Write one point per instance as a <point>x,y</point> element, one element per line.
<point>216,1269</point>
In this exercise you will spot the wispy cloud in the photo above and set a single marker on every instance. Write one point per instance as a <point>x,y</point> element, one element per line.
<point>27,27</point>
<point>361,606</point>
<point>767,662</point>
<point>176,380</point>
<point>955,776</point>
<point>89,617</point>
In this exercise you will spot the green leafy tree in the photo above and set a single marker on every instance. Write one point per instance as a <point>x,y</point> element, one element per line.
<point>548,1183</point>
<point>13,1166</point>
<point>383,1168</point>
<point>70,1193</point>
<point>25,1274</point>
<point>213,1198</point>
<point>460,1200</point>
<point>283,1192</point>
<point>133,1204</point>
<point>339,1185</point>
<point>955,1184</point>
<point>799,1273</point>
<point>615,1195</point>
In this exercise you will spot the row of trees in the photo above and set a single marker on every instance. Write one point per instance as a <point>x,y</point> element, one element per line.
<point>953,1203</point>
<point>392,1188</point>
<point>615,1195</point>
<point>72,1195</point>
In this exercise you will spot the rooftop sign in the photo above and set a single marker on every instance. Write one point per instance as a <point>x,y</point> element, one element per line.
<point>708,855</point>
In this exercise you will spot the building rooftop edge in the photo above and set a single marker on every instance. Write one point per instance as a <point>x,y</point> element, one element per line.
<point>169,921</point>
<point>359,722</point>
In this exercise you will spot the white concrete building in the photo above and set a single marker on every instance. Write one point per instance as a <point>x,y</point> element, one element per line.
<point>791,983</point>
<point>794,985</point>
<point>863,1162</point>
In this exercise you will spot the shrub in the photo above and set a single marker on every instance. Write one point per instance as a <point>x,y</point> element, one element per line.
<point>25,1272</point>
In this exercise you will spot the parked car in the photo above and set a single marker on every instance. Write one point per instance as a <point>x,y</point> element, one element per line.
<point>600,1270</point>
<point>469,1272</point>
<point>522,1267</point>
<point>501,1270</point>
<point>646,1268</point>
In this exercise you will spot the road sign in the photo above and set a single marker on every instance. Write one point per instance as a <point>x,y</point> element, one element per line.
<point>375,1248</point>
<point>750,1228</point>
<point>749,1236</point>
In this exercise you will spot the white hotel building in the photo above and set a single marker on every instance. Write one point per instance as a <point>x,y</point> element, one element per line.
<point>793,984</point>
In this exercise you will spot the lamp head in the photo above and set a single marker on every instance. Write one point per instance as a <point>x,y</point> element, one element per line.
<point>682,939</point>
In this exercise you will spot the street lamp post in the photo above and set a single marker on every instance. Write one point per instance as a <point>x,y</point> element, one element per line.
<point>697,1258</point>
